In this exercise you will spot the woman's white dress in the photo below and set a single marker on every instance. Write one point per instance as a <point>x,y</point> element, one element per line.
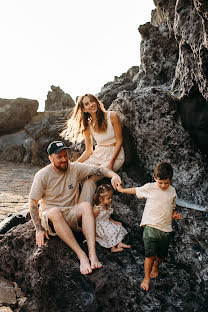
<point>108,234</point>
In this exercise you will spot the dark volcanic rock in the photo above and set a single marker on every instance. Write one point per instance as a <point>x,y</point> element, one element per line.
<point>50,278</point>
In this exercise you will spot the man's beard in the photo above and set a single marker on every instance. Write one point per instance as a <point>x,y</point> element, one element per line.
<point>63,169</point>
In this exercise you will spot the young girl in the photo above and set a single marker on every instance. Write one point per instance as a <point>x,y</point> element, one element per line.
<point>109,233</point>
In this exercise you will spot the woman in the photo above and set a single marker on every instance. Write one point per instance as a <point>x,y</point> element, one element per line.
<point>91,120</point>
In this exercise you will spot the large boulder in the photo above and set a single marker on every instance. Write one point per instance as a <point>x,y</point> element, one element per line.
<point>58,100</point>
<point>15,114</point>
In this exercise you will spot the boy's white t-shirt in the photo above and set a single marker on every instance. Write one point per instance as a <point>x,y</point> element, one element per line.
<point>159,206</point>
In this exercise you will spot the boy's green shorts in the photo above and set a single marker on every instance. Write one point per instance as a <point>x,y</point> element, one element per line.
<point>156,242</point>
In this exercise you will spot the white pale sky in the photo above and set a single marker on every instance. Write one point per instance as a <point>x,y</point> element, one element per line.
<point>78,45</point>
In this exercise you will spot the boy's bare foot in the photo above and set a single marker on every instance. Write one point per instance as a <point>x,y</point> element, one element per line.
<point>95,263</point>
<point>145,284</point>
<point>85,267</point>
<point>155,271</point>
<point>122,245</point>
<point>115,249</point>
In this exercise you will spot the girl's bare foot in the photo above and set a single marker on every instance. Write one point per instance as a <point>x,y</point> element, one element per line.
<point>145,284</point>
<point>115,249</point>
<point>122,245</point>
<point>85,267</point>
<point>95,263</point>
<point>155,271</point>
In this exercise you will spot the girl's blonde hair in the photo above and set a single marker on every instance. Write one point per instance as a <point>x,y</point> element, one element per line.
<point>102,190</point>
<point>79,121</point>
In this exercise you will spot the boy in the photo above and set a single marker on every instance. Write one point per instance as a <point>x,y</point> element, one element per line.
<point>157,218</point>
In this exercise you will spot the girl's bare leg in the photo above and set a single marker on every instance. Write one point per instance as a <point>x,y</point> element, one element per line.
<point>116,249</point>
<point>147,269</point>
<point>122,245</point>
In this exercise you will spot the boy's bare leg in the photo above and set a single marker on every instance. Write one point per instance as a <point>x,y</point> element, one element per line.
<point>155,269</point>
<point>122,245</point>
<point>65,233</point>
<point>84,211</point>
<point>148,262</point>
<point>116,249</point>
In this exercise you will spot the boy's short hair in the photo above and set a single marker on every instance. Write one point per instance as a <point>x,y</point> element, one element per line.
<point>163,171</point>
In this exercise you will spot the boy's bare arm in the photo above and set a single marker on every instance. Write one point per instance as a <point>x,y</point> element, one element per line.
<point>131,190</point>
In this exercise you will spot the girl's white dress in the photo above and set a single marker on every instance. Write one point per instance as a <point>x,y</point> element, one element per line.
<point>108,234</point>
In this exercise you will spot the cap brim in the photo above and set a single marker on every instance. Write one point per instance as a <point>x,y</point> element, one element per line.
<point>60,149</point>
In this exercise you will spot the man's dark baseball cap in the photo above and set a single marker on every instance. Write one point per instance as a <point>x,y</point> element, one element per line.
<point>55,147</point>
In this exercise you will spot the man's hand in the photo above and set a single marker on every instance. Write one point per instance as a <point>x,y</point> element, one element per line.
<point>115,181</point>
<point>40,237</point>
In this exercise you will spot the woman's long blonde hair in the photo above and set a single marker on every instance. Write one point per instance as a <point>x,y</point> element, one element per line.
<point>79,121</point>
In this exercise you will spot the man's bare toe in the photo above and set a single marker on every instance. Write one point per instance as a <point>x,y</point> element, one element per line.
<point>85,267</point>
<point>145,284</point>
<point>95,263</point>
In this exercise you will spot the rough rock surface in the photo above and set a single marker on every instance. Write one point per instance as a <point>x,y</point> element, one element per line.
<point>14,114</point>
<point>58,100</point>
<point>52,282</point>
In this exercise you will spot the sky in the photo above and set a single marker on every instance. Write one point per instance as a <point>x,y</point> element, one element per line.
<point>78,45</point>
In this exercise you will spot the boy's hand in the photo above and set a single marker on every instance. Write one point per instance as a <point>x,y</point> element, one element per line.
<point>119,188</point>
<point>176,216</point>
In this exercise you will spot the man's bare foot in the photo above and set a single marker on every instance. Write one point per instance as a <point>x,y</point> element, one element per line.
<point>95,263</point>
<point>115,249</point>
<point>155,272</point>
<point>122,245</point>
<point>85,267</point>
<point>145,284</point>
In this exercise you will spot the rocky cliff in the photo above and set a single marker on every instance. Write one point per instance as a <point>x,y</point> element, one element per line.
<point>163,106</point>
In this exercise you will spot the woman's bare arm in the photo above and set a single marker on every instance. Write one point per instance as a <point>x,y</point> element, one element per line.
<point>88,146</point>
<point>119,138</point>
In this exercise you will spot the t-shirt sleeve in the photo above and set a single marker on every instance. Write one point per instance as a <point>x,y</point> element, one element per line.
<point>143,191</point>
<point>38,187</point>
<point>84,170</point>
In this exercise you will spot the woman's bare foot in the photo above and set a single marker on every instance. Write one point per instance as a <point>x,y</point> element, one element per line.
<point>145,284</point>
<point>115,249</point>
<point>155,271</point>
<point>122,245</point>
<point>95,263</point>
<point>85,267</point>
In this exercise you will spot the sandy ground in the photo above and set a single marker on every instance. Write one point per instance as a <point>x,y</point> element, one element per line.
<point>15,183</point>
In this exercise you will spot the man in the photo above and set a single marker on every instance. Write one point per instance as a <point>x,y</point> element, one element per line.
<point>55,186</point>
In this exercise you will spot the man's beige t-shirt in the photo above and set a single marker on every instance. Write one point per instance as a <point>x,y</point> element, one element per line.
<point>159,206</point>
<point>58,189</point>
